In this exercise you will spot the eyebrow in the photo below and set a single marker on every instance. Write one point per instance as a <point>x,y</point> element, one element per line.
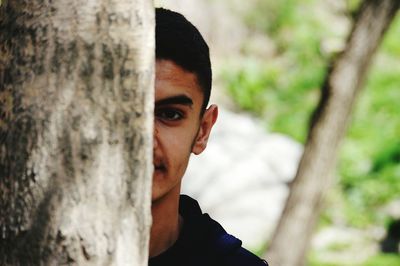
<point>179,99</point>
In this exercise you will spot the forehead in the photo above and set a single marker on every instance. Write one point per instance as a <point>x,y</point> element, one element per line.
<point>171,80</point>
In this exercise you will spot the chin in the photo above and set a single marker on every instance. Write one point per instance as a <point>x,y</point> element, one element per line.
<point>156,194</point>
<point>163,190</point>
<point>159,189</point>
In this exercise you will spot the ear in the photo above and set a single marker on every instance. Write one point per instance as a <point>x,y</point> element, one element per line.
<point>206,124</point>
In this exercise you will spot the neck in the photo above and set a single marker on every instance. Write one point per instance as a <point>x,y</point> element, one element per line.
<point>166,223</point>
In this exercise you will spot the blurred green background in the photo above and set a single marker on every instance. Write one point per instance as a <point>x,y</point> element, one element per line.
<point>284,91</point>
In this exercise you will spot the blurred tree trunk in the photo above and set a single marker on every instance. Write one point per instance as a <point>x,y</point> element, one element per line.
<point>343,82</point>
<point>76,104</point>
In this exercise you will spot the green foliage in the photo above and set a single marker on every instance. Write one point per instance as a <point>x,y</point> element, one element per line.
<point>377,260</point>
<point>370,159</point>
<point>352,5</point>
<point>284,91</point>
<point>388,158</point>
<point>271,16</point>
<point>277,92</point>
<point>319,263</point>
<point>383,260</point>
<point>248,85</point>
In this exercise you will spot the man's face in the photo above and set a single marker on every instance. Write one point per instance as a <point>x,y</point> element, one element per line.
<point>179,130</point>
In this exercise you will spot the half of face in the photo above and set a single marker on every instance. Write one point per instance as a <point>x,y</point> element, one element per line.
<point>179,127</point>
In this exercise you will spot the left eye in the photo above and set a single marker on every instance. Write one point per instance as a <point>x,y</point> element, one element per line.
<point>170,115</point>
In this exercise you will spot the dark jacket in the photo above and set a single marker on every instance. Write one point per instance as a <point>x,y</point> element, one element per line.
<point>204,242</point>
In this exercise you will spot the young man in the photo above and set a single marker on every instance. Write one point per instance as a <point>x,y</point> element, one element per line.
<point>181,234</point>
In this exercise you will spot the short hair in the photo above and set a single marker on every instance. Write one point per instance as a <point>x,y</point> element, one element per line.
<point>180,41</point>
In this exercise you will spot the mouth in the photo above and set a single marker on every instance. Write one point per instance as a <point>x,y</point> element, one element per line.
<point>160,167</point>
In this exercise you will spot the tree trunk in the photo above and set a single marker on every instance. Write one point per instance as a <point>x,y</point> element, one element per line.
<point>292,236</point>
<point>76,105</point>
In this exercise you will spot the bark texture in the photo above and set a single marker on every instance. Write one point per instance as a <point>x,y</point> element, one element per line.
<point>344,81</point>
<point>76,126</point>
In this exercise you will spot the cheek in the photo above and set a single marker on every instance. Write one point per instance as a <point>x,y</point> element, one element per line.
<point>179,146</point>
<point>176,142</point>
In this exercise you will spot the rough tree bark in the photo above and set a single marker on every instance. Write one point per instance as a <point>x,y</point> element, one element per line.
<point>76,105</point>
<point>343,82</point>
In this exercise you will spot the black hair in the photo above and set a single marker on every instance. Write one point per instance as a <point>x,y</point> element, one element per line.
<point>180,41</point>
